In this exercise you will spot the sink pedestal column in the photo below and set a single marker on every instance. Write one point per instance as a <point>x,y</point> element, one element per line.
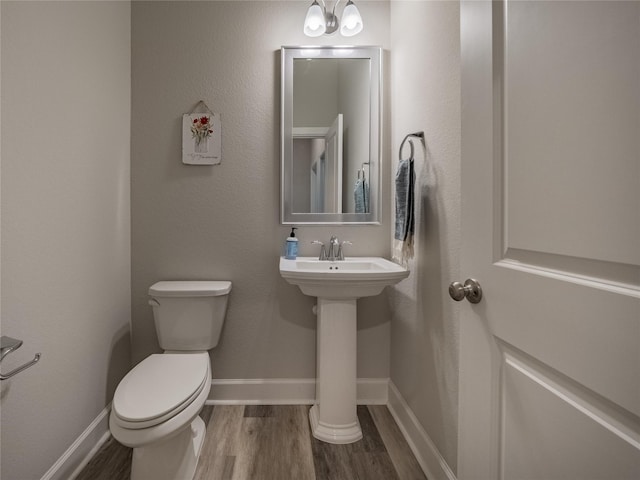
<point>334,418</point>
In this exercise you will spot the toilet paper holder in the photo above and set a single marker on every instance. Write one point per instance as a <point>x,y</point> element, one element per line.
<point>8,345</point>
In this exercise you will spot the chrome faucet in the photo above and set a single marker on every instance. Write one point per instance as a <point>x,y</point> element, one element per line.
<point>334,249</point>
<point>335,252</point>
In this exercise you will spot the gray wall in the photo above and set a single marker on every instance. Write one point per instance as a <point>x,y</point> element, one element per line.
<point>424,329</point>
<point>222,222</point>
<point>65,221</point>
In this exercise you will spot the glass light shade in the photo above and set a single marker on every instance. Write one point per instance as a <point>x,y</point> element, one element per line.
<point>351,21</point>
<point>315,23</point>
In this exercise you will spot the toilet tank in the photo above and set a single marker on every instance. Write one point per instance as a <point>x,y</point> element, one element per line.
<point>189,314</point>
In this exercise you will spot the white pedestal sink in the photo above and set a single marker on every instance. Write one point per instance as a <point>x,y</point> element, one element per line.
<point>338,285</point>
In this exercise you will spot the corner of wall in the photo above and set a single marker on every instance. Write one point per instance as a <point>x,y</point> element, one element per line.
<point>424,329</point>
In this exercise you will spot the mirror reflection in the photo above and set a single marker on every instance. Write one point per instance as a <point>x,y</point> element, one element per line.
<point>330,135</point>
<point>330,122</point>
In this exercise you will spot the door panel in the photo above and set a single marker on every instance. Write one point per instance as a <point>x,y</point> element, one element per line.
<point>550,359</point>
<point>571,78</point>
<point>569,81</point>
<point>555,430</point>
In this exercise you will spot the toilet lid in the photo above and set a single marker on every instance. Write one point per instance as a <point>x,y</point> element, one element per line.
<point>160,384</point>
<point>196,288</point>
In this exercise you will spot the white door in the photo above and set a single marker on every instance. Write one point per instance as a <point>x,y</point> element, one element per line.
<point>550,358</point>
<point>333,180</point>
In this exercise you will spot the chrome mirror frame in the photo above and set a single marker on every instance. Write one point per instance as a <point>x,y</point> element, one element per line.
<point>288,54</point>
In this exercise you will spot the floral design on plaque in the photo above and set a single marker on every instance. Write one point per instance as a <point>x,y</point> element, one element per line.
<point>201,131</point>
<point>201,139</point>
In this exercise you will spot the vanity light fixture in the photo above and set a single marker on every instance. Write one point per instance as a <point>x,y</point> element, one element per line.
<point>320,21</point>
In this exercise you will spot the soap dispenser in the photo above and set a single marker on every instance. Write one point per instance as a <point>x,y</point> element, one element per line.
<point>291,247</point>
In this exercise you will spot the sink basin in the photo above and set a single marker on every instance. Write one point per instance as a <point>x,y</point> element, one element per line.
<point>354,277</point>
<point>338,285</point>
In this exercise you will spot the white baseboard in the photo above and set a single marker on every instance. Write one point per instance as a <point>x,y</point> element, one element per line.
<point>287,391</point>
<point>433,464</point>
<point>73,460</point>
<point>259,391</point>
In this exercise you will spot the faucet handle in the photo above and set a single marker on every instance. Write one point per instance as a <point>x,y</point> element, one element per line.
<point>340,255</point>
<point>323,252</point>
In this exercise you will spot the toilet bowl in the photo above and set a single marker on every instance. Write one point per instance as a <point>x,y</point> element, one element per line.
<point>156,405</point>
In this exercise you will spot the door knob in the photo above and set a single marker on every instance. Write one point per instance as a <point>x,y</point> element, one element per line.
<point>471,289</point>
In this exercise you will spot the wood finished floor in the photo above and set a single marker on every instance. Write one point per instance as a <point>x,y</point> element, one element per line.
<point>275,443</point>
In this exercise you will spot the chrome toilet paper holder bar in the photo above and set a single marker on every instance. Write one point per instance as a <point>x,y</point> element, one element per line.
<point>8,345</point>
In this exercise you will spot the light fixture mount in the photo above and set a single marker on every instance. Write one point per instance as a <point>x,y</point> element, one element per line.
<point>332,22</point>
<point>322,21</point>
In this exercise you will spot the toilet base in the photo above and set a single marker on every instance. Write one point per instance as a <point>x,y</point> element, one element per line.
<point>171,459</point>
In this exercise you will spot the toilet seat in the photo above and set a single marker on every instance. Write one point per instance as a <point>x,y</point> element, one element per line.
<point>147,437</point>
<point>159,388</point>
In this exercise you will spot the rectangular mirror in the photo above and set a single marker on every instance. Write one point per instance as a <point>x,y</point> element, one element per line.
<point>330,135</point>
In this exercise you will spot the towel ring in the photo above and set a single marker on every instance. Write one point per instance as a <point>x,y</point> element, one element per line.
<point>416,134</point>
<point>412,150</point>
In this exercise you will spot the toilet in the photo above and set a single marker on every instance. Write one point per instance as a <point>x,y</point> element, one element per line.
<point>156,405</point>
